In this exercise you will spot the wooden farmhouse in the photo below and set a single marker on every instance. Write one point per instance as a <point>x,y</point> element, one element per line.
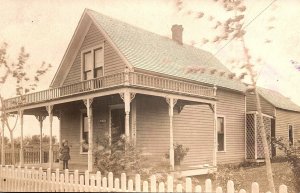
<point>118,79</point>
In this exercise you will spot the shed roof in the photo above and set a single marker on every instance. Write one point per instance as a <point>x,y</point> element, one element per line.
<point>278,100</point>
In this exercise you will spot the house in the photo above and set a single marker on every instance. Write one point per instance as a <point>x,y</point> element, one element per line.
<point>119,79</point>
<point>281,118</point>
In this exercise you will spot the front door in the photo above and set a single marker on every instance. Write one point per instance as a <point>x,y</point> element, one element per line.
<point>117,124</point>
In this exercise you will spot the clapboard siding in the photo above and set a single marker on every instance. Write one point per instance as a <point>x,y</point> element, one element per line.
<point>71,125</point>
<point>267,108</point>
<point>193,127</point>
<point>152,123</point>
<point>112,61</point>
<point>283,118</point>
<point>232,106</point>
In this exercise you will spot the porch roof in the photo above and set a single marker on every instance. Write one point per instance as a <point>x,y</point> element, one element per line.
<point>149,51</point>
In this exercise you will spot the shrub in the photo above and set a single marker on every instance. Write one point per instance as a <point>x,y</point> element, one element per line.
<point>179,153</point>
<point>292,153</point>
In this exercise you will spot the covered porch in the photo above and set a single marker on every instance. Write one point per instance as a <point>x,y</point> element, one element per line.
<point>92,109</point>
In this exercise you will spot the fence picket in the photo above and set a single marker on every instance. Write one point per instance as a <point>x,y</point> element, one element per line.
<point>179,188</point>
<point>283,189</point>
<point>145,186</point>
<point>170,187</point>
<point>198,188</point>
<point>117,184</point>
<point>153,184</point>
<point>188,185</point>
<point>242,191</point>
<point>161,187</point>
<point>98,179</point>
<point>110,181</point>
<point>104,184</point>
<point>230,187</point>
<point>219,190</point>
<point>137,183</point>
<point>76,177</point>
<point>130,185</point>
<point>81,183</point>
<point>123,182</point>
<point>93,184</point>
<point>254,187</point>
<point>62,181</point>
<point>66,176</point>
<point>208,187</point>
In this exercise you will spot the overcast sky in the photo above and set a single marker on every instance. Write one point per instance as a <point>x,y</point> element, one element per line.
<point>45,27</point>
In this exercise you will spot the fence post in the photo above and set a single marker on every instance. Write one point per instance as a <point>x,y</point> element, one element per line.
<point>161,187</point>
<point>188,185</point>
<point>198,188</point>
<point>208,185</point>
<point>255,187</point>
<point>123,182</point>
<point>110,181</point>
<point>179,188</point>
<point>230,187</point>
<point>145,186</point>
<point>283,189</point>
<point>137,183</point>
<point>153,184</point>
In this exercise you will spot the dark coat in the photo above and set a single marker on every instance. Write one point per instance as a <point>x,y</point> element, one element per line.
<point>64,153</point>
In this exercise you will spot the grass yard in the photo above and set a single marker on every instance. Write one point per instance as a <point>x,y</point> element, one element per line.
<point>243,176</point>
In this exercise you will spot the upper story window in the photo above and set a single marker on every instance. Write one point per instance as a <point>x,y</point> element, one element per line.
<point>291,134</point>
<point>221,133</point>
<point>93,63</point>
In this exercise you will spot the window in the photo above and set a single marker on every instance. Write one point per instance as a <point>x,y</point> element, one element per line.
<point>291,134</point>
<point>84,133</point>
<point>221,133</point>
<point>93,63</point>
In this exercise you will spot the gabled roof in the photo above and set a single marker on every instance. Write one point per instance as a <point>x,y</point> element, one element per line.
<point>152,52</point>
<point>277,99</point>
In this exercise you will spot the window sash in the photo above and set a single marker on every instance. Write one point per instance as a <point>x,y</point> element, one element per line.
<point>221,133</point>
<point>98,58</point>
<point>88,62</point>
<point>291,134</point>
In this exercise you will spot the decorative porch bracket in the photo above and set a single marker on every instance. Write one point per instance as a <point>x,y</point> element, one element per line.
<point>213,107</point>
<point>41,118</point>
<point>171,102</point>
<point>89,110</point>
<point>49,109</point>
<point>21,112</point>
<point>127,97</point>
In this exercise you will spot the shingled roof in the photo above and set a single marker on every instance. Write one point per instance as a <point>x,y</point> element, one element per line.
<point>152,52</point>
<point>277,99</point>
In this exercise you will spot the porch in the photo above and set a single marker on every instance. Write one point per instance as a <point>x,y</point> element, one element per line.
<point>85,110</point>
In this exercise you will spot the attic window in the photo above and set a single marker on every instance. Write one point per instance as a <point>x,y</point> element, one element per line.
<point>93,63</point>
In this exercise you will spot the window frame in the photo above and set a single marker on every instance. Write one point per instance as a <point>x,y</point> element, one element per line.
<point>224,123</point>
<point>293,130</point>
<point>82,113</point>
<point>92,50</point>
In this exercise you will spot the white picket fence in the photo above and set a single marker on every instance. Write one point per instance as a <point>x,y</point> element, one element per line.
<point>36,180</point>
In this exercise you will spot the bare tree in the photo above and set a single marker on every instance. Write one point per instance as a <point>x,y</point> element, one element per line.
<point>15,74</point>
<point>233,28</point>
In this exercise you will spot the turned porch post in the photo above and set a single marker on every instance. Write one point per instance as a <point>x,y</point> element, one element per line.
<point>21,142</point>
<point>2,145</point>
<point>215,136</point>
<point>41,118</point>
<point>50,112</point>
<point>171,102</point>
<point>88,103</point>
<point>127,98</point>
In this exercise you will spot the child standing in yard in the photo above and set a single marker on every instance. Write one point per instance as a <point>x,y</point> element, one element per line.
<point>65,154</point>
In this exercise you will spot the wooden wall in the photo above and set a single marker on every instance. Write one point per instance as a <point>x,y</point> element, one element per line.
<point>112,62</point>
<point>232,106</point>
<point>267,108</point>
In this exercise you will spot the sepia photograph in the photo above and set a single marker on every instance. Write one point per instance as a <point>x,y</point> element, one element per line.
<point>150,96</point>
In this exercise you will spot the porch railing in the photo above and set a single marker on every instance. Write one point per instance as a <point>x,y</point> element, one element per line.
<point>114,80</point>
<point>31,156</point>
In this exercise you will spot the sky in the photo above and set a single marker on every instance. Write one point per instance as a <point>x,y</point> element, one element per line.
<point>45,28</point>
